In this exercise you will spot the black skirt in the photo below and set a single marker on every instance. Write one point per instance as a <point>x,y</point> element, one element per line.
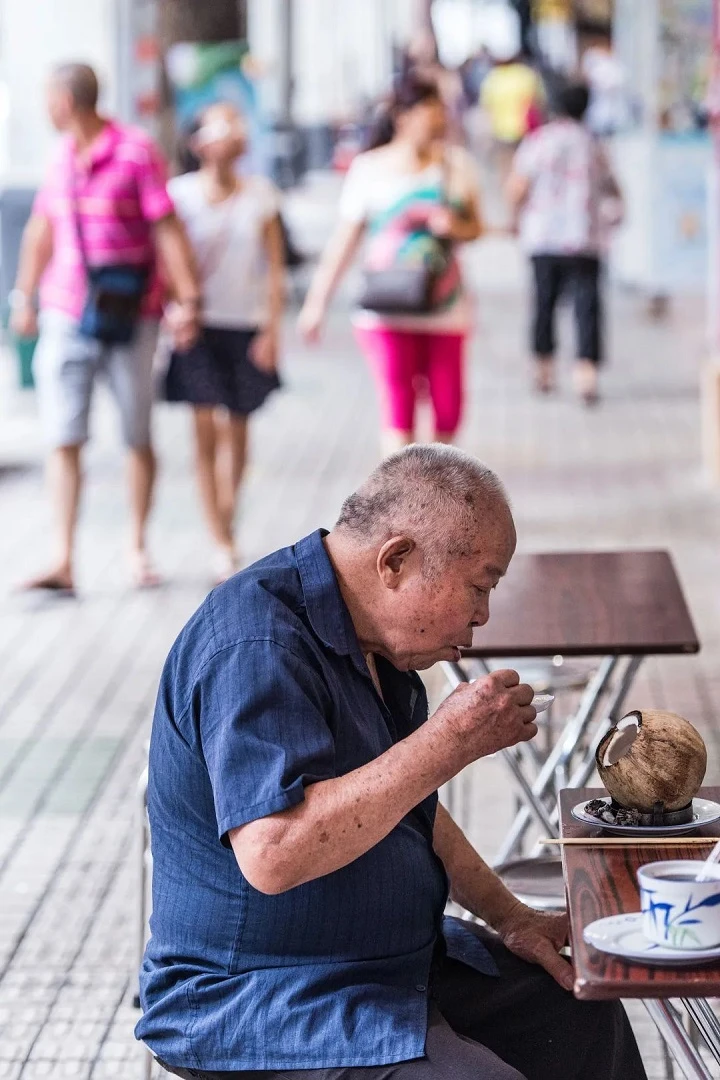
<point>218,370</point>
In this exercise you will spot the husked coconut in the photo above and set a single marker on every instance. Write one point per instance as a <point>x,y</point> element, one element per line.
<point>652,757</point>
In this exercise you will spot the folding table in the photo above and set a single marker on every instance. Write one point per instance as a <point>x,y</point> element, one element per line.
<point>616,606</point>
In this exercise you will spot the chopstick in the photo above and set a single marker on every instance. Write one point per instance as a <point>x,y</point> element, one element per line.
<point>630,841</point>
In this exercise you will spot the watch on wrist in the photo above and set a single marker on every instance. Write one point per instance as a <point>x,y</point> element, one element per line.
<point>18,300</point>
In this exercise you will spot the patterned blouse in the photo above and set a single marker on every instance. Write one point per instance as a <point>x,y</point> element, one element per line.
<point>570,181</point>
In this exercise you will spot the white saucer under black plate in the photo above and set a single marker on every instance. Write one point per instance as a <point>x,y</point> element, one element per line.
<point>622,936</point>
<point>705,812</point>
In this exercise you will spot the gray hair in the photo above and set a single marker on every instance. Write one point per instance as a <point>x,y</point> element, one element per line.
<point>81,82</point>
<point>435,494</point>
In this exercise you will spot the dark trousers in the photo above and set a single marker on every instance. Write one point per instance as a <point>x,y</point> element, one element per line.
<point>578,275</point>
<point>522,1026</point>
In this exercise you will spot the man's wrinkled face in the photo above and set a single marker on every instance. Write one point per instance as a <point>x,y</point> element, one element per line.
<point>433,612</point>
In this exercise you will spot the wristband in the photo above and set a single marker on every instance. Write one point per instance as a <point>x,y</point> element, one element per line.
<point>18,300</point>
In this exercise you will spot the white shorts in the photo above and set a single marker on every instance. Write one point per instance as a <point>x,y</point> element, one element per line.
<point>66,366</point>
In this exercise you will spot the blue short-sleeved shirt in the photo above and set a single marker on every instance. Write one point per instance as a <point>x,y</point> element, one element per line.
<point>264,692</point>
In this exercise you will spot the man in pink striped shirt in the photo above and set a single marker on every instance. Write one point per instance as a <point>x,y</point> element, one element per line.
<point>110,179</point>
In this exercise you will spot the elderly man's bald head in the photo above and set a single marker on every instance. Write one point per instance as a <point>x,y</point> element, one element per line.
<point>418,550</point>
<point>80,82</point>
<point>439,496</point>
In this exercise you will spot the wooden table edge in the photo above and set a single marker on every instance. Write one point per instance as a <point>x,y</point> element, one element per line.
<point>612,991</point>
<point>497,652</point>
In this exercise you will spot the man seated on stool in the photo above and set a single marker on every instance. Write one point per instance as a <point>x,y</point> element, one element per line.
<point>301,860</point>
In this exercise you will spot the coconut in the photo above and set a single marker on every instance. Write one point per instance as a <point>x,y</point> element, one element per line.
<point>652,757</point>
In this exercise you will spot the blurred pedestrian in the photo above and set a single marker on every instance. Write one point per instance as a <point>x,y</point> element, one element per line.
<point>91,244</point>
<point>234,228</point>
<point>511,96</point>
<point>567,201</point>
<point>416,198</point>
<point>610,109</point>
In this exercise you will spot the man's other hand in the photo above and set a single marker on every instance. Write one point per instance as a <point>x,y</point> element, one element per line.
<point>538,936</point>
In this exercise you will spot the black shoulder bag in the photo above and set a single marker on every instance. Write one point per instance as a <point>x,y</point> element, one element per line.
<point>406,290</point>
<point>115,293</point>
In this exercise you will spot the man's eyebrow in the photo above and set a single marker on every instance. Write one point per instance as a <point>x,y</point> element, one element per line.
<point>495,571</point>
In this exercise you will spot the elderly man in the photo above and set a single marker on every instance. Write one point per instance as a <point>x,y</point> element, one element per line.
<point>301,860</point>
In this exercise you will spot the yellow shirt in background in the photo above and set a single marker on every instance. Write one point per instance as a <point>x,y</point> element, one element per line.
<point>552,9</point>
<point>507,94</point>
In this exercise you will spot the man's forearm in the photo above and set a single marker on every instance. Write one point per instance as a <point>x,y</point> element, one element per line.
<point>473,884</point>
<point>35,254</point>
<point>178,260</point>
<point>343,818</point>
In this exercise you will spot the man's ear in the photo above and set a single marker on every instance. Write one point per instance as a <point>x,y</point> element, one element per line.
<point>392,559</point>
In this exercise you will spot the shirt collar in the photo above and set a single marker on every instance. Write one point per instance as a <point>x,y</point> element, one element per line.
<point>326,609</point>
<point>102,148</point>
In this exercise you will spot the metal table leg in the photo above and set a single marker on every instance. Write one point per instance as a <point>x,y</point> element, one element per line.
<point>706,1022</point>
<point>535,804</point>
<point>560,756</point>
<point>678,1040</point>
<point>455,676</point>
<point>565,747</point>
<point>584,770</point>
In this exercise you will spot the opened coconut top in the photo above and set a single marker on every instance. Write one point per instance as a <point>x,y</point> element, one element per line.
<point>622,739</point>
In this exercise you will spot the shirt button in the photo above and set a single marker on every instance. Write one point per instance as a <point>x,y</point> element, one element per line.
<point>421,988</point>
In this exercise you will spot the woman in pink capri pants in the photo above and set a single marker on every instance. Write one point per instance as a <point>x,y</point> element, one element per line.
<point>414,199</point>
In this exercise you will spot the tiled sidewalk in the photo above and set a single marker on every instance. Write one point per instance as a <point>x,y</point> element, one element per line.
<point>78,679</point>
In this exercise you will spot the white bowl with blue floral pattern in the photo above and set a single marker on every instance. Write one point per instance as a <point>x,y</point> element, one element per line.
<point>680,912</point>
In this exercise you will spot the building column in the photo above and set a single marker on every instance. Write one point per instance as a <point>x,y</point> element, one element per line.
<point>710,383</point>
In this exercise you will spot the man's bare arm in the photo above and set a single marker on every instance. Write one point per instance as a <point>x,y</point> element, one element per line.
<point>178,259</point>
<point>535,936</point>
<point>342,818</point>
<point>35,254</point>
<point>473,884</point>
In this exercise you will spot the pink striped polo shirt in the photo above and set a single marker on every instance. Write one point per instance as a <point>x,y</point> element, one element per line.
<point>121,193</point>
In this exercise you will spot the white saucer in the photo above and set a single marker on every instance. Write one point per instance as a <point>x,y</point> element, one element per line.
<point>621,935</point>
<point>705,812</point>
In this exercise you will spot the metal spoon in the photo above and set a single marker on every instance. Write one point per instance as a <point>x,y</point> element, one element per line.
<point>542,702</point>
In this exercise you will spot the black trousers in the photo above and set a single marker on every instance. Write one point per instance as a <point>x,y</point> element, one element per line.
<point>522,1026</point>
<point>580,276</point>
